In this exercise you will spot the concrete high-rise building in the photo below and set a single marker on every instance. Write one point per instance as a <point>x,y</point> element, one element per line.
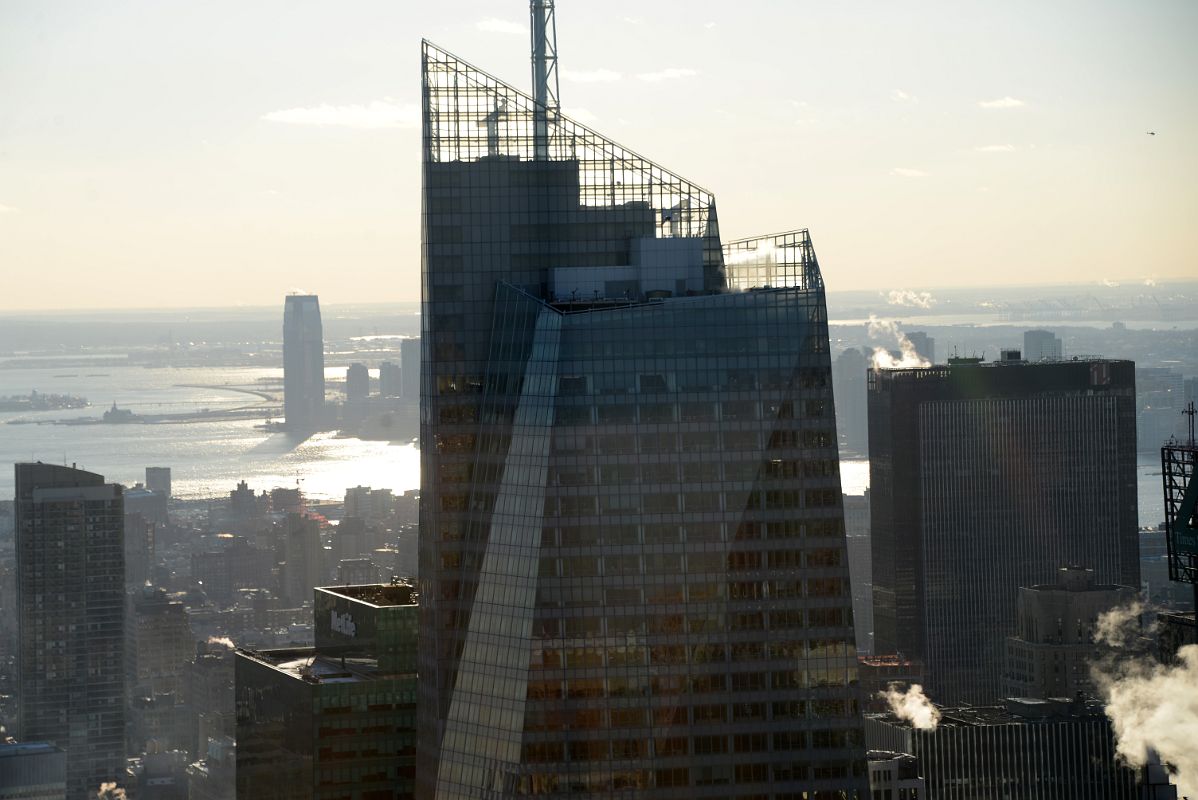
<point>895,776</point>
<point>357,382</point>
<point>301,571</point>
<point>372,505</point>
<point>336,720</point>
<point>985,478</point>
<point>848,379</point>
<point>409,363</point>
<point>390,379</point>
<point>71,605</point>
<point>1042,346</point>
<point>303,363</point>
<point>158,643</point>
<point>1053,646</point>
<point>925,346</point>
<point>633,567</point>
<point>158,479</point>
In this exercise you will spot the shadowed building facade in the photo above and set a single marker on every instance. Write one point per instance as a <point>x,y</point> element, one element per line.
<point>633,570</point>
<point>985,478</point>
<point>71,599</point>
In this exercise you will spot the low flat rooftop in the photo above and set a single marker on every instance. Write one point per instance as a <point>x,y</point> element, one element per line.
<point>376,594</point>
<point>1016,711</point>
<point>304,663</point>
<point>13,749</point>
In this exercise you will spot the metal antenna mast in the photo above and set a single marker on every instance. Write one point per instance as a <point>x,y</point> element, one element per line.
<point>544,74</point>
<point>1190,412</point>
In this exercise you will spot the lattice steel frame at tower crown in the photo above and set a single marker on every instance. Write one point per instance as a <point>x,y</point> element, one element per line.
<point>633,571</point>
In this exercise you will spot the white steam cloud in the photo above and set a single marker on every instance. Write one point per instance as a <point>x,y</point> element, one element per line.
<point>906,297</point>
<point>1153,707</point>
<point>912,705</point>
<point>1120,626</point>
<point>883,358</point>
<point>110,791</point>
<point>223,641</point>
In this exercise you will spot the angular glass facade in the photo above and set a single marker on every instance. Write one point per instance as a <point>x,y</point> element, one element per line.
<point>633,571</point>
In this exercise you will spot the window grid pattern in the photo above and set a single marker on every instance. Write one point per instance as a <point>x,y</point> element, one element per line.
<point>633,576</point>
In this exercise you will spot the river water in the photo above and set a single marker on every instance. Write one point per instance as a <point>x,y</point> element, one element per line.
<point>208,458</point>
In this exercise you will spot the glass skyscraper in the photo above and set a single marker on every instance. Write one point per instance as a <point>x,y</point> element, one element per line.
<point>303,363</point>
<point>633,570</point>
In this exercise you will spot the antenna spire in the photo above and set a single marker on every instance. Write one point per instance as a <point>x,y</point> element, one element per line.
<point>1190,412</point>
<point>544,73</point>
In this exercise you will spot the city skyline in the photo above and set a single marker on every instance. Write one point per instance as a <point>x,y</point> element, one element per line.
<point>272,154</point>
<point>573,488</point>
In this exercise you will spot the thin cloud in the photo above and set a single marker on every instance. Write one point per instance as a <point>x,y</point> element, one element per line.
<point>709,25</point>
<point>496,25</point>
<point>1002,102</point>
<point>372,116</point>
<point>996,148</point>
<point>668,74</point>
<point>7,209</point>
<point>632,20</point>
<point>906,172</point>
<point>591,75</point>
<point>899,96</point>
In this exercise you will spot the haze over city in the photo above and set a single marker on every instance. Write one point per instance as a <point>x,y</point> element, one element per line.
<point>388,412</point>
<point>243,150</point>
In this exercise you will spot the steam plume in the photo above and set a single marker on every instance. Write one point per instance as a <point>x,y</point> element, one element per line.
<point>906,297</point>
<point>1120,626</point>
<point>913,706</point>
<point>109,791</point>
<point>223,641</point>
<point>882,358</point>
<point>1152,706</point>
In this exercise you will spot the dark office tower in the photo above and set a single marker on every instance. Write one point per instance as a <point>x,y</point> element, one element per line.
<point>985,478</point>
<point>409,364</point>
<point>848,379</point>
<point>925,346</point>
<point>1042,346</point>
<point>71,604</point>
<point>357,382</point>
<point>633,563</point>
<point>389,379</point>
<point>303,363</point>
<point>336,720</point>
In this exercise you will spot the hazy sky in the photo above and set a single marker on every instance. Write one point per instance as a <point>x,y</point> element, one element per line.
<point>182,153</point>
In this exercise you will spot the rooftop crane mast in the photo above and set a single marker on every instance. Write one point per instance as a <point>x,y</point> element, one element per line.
<point>544,74</point>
